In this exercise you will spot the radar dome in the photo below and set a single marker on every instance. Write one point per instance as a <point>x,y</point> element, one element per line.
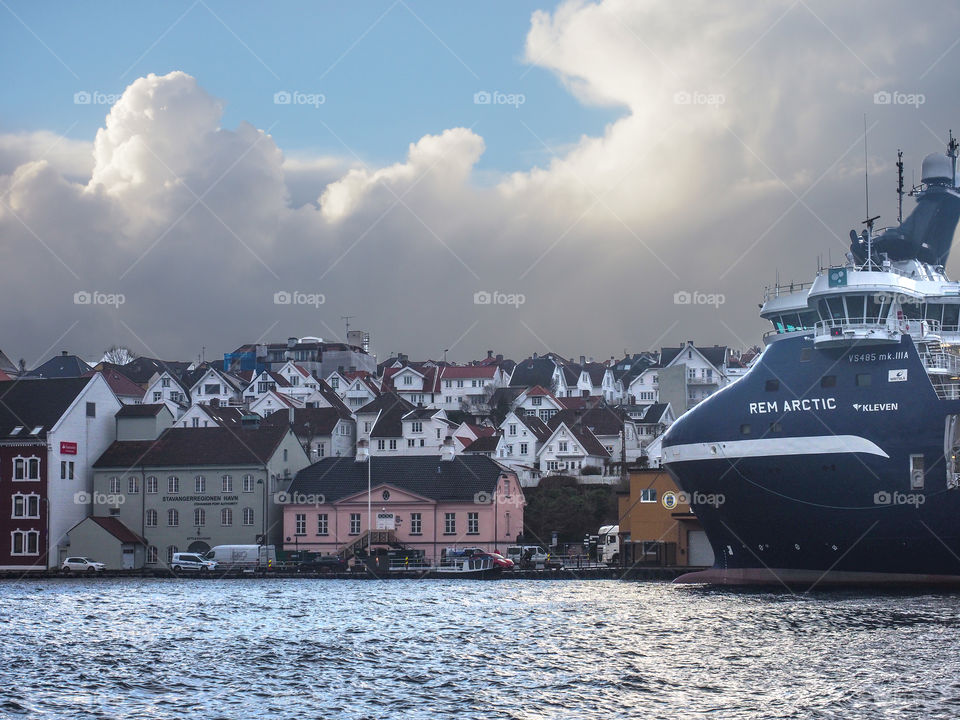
<point>936,169</point>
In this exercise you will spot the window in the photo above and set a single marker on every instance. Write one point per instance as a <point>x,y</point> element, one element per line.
<point>512,429</point>
<point>195,422</point>
<point>248,516</point>
<point>133,485</point>
<point>301,524</point>
<point>354,523</point>
<point>173,485</point>
<point>152,485</point>
<point>459,383</point>
<point>285,451</point>
<point>323,524</point>
<point>115,485</point>
<point>473,523</point>
<point>66,469</point>
<point>248,483</point>
<point>226,483</point>
<point>91,409</point>
<point>173,518</point>
<point>648,495</point>
<point>416,427</point>
<point>226,517</point>
<point>152,555</point>
<point>26,468</point>
<point>151,518</point>
<point>449,523</point>
<point>211,389</point>
<point>828,381</point>
<point>536,401</point>
<point>776,427</point>
<point>745,429</point>
<point>416,524</point>
<point>411,443</point>
<point>863,379</point>
<point>366,426</point>
<point>26,506</point>
<point>523,448</point>
<point>381,444</point>
<point>916,472</point>
<point>171,551</point>
<point>200,484</point>
<point>157,396</point>
<point>553,465</point>
<point>407,380</point>
<point>563,446</point>
<point>393,444</point>
<point>25,542</point>
<point>199,517</point>
<point>165,382</point>
<point>772,385</point>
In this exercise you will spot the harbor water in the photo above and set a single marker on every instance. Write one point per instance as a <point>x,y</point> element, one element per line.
<point>530,650</point>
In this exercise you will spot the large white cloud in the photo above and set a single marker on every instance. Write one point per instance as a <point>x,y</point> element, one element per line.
<point>198,225</point>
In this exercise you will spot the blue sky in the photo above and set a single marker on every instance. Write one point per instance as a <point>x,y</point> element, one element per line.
<point>390,72</point>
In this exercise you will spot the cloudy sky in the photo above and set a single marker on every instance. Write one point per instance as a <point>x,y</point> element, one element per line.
<point>516,176</point>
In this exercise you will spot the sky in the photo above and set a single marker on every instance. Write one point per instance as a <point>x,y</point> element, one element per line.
<point>578,177</point>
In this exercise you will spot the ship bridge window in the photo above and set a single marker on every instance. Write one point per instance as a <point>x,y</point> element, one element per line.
<point>775,427</point>
<point>745,429</point>
<point>828,381</point>
<point>933,311</point>
<point>835,306</point>
<point>863,379</point>
<point>772,385</point>
<point>911,310</point>
<point>808,319</point>
<point>951,316</point>
<point>875,310</point>
<point>855,307</point>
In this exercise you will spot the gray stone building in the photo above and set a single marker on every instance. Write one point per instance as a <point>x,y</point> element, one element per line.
<point>191,489</point>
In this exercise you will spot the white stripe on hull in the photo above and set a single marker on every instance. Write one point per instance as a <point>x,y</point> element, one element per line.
<point>771,447</point>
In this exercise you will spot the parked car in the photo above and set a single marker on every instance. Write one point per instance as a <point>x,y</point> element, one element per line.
<point>192,561</point>
<point>531,556</point>
<point>82,565</point>
<point>323,564</point>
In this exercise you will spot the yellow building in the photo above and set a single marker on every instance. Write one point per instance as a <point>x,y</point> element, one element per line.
<point>657,527</point>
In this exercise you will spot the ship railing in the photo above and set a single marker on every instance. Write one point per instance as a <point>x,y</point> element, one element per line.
<point>775,291</point>
<point>918,329</point>
<point>947,391</point>
<point>941,361</point>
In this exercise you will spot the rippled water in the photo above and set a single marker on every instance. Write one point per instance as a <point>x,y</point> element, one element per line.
<point>105,648</point>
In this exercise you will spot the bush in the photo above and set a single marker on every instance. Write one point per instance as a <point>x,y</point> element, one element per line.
<point>591,470</point>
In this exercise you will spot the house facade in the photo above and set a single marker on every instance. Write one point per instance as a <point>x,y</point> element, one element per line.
<point>424,503</point>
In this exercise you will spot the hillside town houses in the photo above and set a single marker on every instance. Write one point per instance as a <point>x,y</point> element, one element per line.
<point>145,459</point>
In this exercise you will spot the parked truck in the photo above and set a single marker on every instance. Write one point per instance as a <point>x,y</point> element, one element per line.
<point>608,544</point>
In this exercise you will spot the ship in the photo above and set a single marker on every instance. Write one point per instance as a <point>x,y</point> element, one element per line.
<point>835,460</point>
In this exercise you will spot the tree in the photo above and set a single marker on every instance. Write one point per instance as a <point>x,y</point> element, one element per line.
<point>119,355</point>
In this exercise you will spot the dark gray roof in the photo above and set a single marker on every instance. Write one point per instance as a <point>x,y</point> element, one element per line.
<point>191,447</point>
<point>144,410</point>
<point>421,413</point>
<point>532,372</point>
<point>600,420</point>
<point>535,425</point>
<point>60,366</point>
<point>715,355</point>
<point>36,403</point>
<point>307,421</point>
<point>457,480</point>
<point>141,369</point>
<point>654,413</point>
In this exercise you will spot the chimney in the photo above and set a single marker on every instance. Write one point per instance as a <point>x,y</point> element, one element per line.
<point>363,451</point>
<point>534,356</point>
<point>583,359</point>
<point>250,422</point>
<point>291,415</point>
<point>489,354</point>
<point>63,353</point>
<point>448,451</point>
<point>291,342</point>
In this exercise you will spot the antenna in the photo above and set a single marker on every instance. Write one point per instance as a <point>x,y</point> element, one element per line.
<point>899,186</point>
<point>866,192</point>
<point>347,319</point>
<point>952,153</point>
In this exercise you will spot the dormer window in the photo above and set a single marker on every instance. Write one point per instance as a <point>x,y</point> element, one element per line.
<point>17,430</point>
<point>36,430</point>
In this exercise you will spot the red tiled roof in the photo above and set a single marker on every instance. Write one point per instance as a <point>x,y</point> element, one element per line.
<point>120,531</point>
<point>538,390</point>
<point>459,372</point>
<point>118,382</point>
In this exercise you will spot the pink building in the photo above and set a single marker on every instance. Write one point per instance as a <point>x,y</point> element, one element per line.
<point>427,502</point>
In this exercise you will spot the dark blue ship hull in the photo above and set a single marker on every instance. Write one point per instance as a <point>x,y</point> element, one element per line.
<point>800,479</point>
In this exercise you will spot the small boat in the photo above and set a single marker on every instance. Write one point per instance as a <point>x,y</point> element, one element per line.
<point>480,566</point>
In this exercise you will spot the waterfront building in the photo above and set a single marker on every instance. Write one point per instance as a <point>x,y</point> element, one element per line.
<point>574,451</point>
<point>523,436</point>
<point>193,488</point>
<point>425,502</point>
<point>657,526</point>
<point>50,433</point>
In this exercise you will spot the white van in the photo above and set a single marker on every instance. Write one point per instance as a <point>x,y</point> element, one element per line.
<point>245,557</point>
<point>528,555</point>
